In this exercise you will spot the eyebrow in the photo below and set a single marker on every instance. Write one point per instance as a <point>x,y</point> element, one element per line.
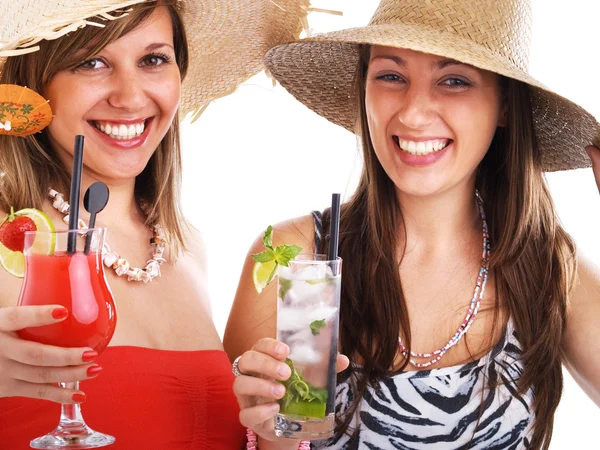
<point>149,48</point>
<point>439,64</point>
<point>158,45</point>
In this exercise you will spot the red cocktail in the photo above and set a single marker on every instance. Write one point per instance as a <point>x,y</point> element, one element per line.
<point>73,278</point>
<point>75,281</point>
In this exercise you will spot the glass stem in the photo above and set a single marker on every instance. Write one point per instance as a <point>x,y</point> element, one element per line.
<point>70,414</point>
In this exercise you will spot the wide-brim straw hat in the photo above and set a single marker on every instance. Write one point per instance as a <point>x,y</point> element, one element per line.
<point>493,35</point>
<point>227,38</point>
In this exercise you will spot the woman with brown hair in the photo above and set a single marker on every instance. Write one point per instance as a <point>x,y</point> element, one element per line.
<point>462,295</point>
<point>112,71</point>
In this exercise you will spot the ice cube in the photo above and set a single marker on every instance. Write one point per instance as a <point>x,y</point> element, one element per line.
<point>305,354</point>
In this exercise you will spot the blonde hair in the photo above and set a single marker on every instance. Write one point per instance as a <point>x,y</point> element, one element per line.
<point>29,165</point>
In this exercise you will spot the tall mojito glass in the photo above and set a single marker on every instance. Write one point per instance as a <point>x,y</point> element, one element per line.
<point>307,321</point>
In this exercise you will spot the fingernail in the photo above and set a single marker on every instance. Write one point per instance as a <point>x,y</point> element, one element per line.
<point>60,313</point>
<point>278,390</point>
<point>78,398</point>
<point>93,371</point>
<point>89,356</point>
<point>280,349</point>
<point>274,407</point>
<point>283,370</point>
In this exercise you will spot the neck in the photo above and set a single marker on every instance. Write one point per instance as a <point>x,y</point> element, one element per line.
<point>442,221</point>
<point>121,210</point>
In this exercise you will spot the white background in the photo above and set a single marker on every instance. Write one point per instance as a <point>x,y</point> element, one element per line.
<point>259,157</point>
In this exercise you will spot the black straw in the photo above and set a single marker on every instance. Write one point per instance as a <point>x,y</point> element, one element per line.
<point>75,194</point>
<point>334,230</point>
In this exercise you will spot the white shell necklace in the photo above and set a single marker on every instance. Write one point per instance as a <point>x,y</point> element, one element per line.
<point>112,259</point>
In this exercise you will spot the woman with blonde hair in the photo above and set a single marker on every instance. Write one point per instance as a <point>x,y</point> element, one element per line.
<point>462,295</point>
<point>121,73</point>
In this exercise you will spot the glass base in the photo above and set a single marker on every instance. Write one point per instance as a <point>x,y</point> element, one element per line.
<point>74,438</point>
<point>295,427</point>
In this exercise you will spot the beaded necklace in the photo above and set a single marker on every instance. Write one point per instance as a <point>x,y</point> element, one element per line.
<point>473,308</point>
<point>112,259</point>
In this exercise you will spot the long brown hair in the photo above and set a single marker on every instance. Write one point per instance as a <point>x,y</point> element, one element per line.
<point>30,166</point>
<point>533,260</point>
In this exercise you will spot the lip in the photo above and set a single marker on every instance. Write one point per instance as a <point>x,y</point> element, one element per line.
<point>421,160</point>
<point>125,144</point>
<point>422,139</point>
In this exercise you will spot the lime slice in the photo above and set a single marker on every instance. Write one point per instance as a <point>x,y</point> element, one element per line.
<point>14,262</point>
<point>262,274</point>
<point>314,409</point>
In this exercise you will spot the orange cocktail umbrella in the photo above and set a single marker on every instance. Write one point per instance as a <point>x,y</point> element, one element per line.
<point>22,111</point>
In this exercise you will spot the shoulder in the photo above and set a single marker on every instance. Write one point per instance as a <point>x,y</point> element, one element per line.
<point>196,247</point>
<point>298,231</point>
<point>586,285</point>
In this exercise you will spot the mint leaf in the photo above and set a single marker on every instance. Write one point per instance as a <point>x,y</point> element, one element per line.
<point>284,286</point>
<point>315,327</point>
<point>285,253</point>
<point>300,397</point>
<point>263,257</point>
<point>268,238</point>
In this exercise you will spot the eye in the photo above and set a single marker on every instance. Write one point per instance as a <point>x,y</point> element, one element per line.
<point>155,60</point>
<point>456,82</point>
<point>390,77</point>
<point>91,64</point>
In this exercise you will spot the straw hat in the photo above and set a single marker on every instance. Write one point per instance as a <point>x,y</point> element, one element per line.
<point>490,34</point>
<point>227,38</point>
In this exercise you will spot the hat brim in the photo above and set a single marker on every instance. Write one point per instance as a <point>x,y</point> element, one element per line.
<point>319,72</point>
<point>227,39</point>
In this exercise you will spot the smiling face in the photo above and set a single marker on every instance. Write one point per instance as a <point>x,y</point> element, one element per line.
<point>431,120</point>
<point>123,100</point>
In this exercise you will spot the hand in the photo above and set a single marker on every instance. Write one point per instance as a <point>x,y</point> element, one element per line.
<point>594,153</point>
<point>29,369</point>
<point>256,392</point>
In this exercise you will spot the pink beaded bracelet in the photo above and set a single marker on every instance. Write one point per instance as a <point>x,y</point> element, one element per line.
<point>252,443</point>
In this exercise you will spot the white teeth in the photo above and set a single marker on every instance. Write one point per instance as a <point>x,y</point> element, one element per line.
<point>121,131</point>
<point>423,147</point>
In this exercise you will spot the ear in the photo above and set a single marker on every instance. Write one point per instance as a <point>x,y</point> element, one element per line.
<point>503,117</point>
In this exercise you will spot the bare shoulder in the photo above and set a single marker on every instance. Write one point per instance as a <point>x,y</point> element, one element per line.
<point>587,282</point>
<point>580,342</point>
<point>196,247</point>
<point>299,231</point>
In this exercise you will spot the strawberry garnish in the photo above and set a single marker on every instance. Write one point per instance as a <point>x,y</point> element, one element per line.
<point>12,231</point>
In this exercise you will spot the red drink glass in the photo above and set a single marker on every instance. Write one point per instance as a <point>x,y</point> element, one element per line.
<point>75,280</point>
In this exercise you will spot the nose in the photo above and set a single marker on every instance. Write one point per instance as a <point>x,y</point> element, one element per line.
<point>417,108</point>
<point>127,91</point>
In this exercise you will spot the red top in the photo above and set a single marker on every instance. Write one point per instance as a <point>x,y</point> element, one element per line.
<point>148,399</point>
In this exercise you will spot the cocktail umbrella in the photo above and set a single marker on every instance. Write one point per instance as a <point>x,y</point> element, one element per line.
<point>22,111</point>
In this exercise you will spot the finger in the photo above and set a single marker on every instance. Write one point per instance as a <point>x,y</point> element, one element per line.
<point>47,392</point>
<point>35,354</point>
<point>252,386</point>
<point>14,318</point>
<point>255,416</point>
<point>342,363</point>
<point>272,347</point>
<point>45,375</point>
<point>254,362</point>
<point>594,153</point>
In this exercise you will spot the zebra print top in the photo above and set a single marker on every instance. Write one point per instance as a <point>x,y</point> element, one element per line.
<point>449,408</point>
